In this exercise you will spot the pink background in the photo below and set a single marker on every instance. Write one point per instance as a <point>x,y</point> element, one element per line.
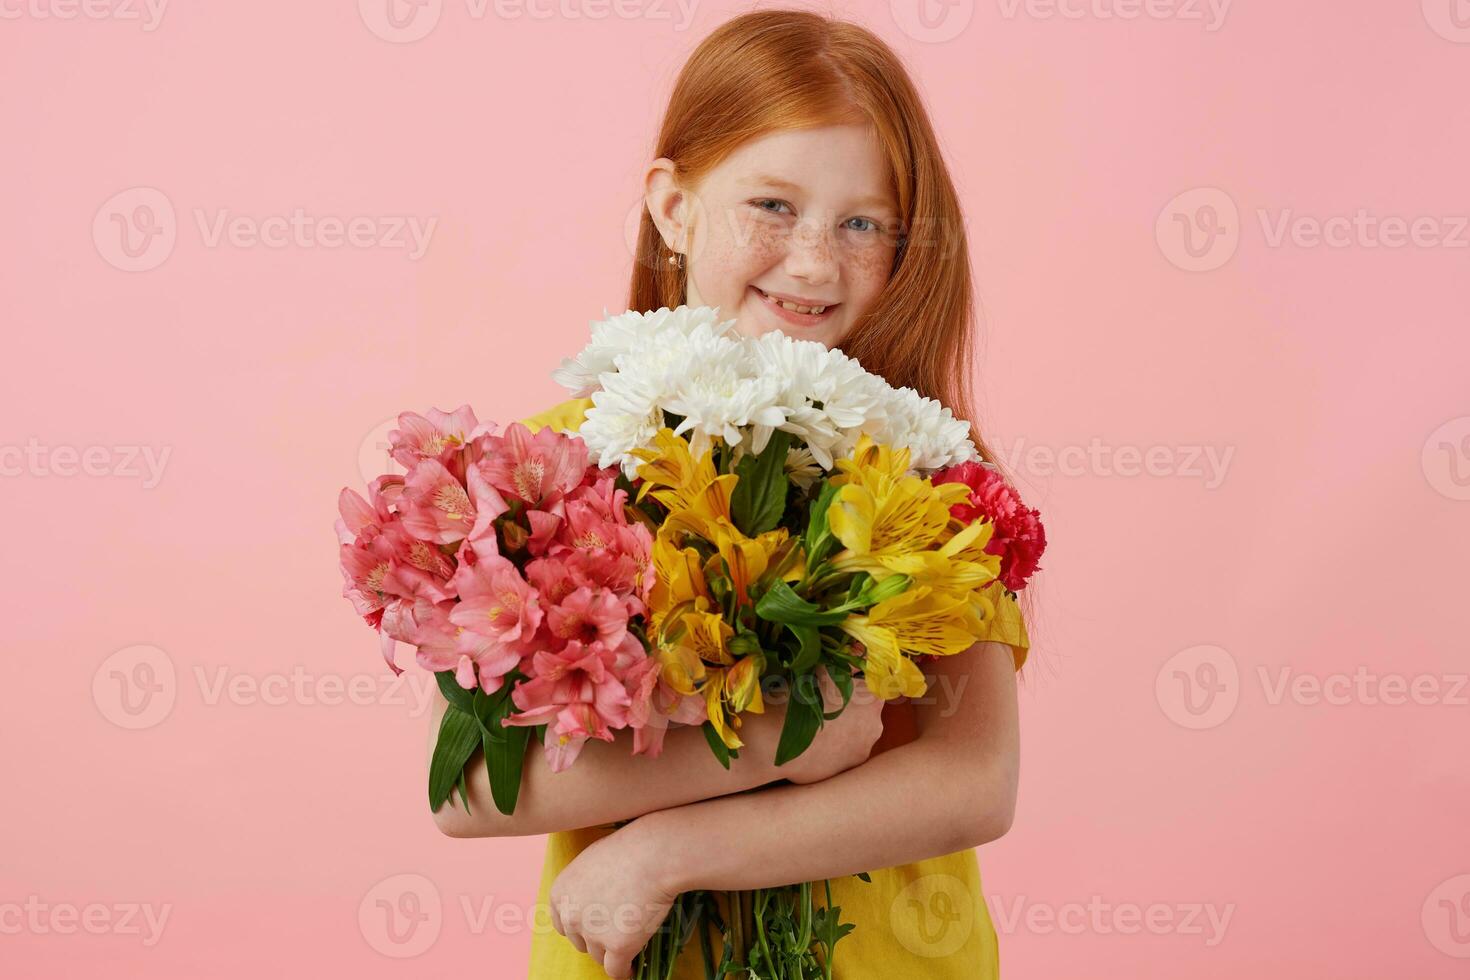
<point>270,821</point>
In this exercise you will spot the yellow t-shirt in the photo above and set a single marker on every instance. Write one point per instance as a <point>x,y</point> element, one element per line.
<point>925,919</point>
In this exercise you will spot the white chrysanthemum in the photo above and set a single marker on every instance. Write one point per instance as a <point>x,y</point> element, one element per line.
<point>618,335</point>
<point>802,467</point>
<point>686,361</point>
<point>719,394</point>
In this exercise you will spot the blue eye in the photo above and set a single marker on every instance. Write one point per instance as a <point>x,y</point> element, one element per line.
<point>769,200</point>
<point>872,225</point>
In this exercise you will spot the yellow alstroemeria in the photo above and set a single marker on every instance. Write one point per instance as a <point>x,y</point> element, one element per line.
<point>731,690</point>
<point>708,636</point>
<point>959,565</point>
<point>877,464</point>
<point>682,668</point>
<point>679,582</point>
<point>920,620</point>
<point>694,493</point>
<point>747,558</point>
<point>881,521</point>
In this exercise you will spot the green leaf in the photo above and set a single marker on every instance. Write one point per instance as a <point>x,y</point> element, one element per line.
<point>842,678</point>
<point>452,692</point>
<point>505,758</point>
<point>781,604</point>
<point>716,744</point>
<point>811,647</point>
<point>459,734</point>
<point>464,794</point>
<point>760,495</point>
<point>817,540</point>
<point>802,721</point>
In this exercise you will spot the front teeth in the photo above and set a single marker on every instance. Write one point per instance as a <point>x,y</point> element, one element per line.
<point>793,307</point>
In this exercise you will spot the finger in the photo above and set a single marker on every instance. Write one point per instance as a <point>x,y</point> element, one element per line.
<point>575,938</point>
<point>596,951</point>
<point>617,965</point>
<point>556,919</point>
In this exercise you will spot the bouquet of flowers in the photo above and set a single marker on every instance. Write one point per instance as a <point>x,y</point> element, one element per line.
<point>735,517</point>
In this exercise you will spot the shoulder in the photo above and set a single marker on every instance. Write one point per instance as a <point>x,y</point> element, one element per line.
<point>564,416</point>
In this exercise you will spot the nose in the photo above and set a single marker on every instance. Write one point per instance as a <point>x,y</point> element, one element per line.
<point>811,254</point>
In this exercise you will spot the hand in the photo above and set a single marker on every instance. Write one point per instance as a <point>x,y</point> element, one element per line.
<point>843,742</point>
<point>612,897</point>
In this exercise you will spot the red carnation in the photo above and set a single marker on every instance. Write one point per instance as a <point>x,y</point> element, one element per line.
<point>1019,538</point>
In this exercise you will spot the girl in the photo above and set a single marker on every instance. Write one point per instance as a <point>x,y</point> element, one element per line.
<point>797,186</point>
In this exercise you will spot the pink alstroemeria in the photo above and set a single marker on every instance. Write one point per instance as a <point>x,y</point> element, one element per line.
<point>589,616</point>
<point>477,661</point>
<point>441,436</point>
<point>384,569</point>
<point>438,508</point>
<point>655,706</point>
<point>499,614</point>
<point>578,693</point>
<point>535,468</point>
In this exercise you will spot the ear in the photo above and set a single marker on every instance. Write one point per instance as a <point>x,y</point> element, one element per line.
<point>668,204</point>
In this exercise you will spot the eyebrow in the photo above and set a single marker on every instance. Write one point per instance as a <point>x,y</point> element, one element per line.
<point>768,180</point>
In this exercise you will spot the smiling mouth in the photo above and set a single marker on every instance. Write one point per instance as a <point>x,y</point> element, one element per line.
<point>799,313</point>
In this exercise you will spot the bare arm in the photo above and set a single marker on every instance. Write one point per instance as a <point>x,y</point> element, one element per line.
<point>952,788</point>
<point>608,783</point>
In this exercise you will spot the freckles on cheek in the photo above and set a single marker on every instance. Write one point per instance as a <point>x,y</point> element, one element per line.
<point>870,267</point>
<point>744,251</point>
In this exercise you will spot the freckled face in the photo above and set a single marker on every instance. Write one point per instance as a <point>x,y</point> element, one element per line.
<point>806,216</point>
